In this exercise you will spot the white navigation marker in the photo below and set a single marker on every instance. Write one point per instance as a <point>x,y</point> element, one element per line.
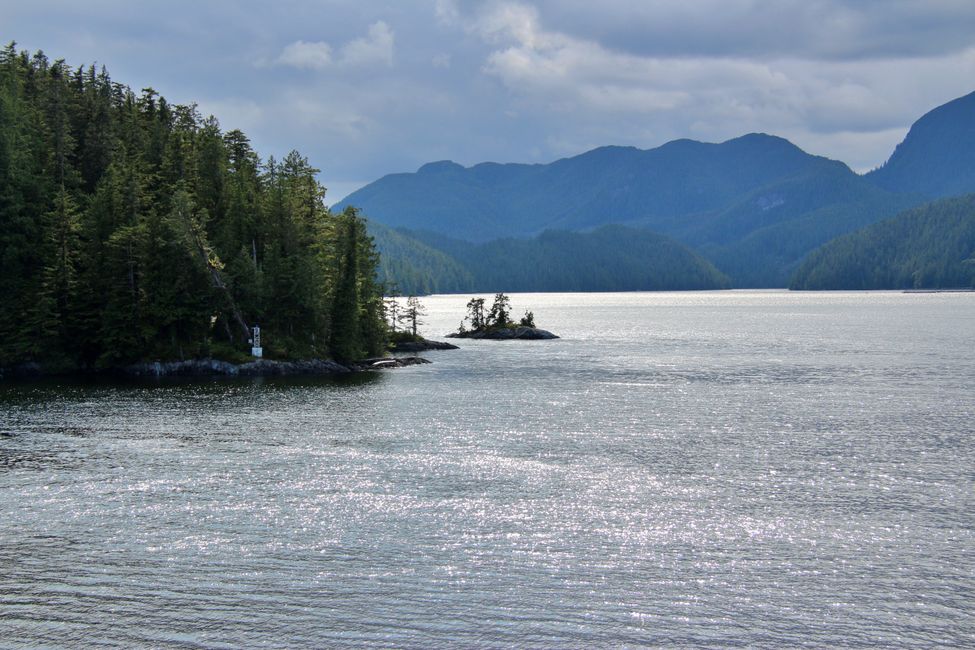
<point>257,350</point>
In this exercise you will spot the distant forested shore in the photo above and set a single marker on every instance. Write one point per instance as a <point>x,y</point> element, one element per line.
<point>928,247</point>
<point>134,230</point>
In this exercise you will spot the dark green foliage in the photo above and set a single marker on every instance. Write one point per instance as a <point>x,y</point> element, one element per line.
<point>415,268</point>
<point>929,247</point>
<point>611,258</point>
<point>132,229</point>
<point>412,316</point>
<point>498,317</point>
<point>475,313</point>
<point>500,313</point>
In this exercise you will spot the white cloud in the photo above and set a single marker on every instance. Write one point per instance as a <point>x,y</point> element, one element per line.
<point>855,110</point>
<point>446,12</point>
<point>316,56</point>
<point>376,48</point>
<point>530,80</point>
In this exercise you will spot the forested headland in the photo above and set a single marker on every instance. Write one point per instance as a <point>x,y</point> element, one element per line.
<point>928,247</point>
<point>132,229</point>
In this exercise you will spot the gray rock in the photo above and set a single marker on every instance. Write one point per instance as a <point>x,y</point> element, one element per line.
<point>378,363</point>
<point>506,334</point>
<point>215,368</point>
<point>422,346</point>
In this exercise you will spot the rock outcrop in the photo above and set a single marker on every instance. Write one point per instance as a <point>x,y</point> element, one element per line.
<point>421,346</point>
<point>506,334</point>
<point>380,363</point>
<point>214,367</point>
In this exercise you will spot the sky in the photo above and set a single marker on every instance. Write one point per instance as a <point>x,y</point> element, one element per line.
<point>367,88</point>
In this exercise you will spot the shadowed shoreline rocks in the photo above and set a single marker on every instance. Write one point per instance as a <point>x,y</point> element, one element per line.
<point>215,368</point>
<point>421,346</point>
<point>506,334</point>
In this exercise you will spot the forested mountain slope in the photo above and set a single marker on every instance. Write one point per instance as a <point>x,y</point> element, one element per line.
<point>611,258</point>
<point>410,267</point>
<point>928,247</point>
<point>937,158</point>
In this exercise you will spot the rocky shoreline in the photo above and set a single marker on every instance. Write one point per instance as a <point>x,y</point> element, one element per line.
<point>201,368</point>
<point>421,346</point>
<point>506,334</point>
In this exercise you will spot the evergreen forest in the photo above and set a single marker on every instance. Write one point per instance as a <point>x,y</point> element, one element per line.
<point>609,258</point>
<point>928,247</point>
<point>132,229</point>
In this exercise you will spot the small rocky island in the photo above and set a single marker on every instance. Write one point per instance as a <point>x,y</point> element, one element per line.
<point>496,323</point>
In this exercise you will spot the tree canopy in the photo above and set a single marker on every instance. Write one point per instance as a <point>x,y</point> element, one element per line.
<point>133,229</point>
<point>929,247</point>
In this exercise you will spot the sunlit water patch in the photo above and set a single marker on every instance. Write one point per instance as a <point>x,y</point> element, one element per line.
<point>761,469</point>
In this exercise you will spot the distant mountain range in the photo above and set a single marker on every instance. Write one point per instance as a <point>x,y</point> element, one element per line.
<point>754,206</point>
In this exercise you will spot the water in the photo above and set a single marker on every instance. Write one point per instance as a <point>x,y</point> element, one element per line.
<point>761,469</point>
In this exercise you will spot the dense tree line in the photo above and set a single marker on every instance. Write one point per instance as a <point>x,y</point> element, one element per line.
<point>412,267</point>
<point>134,229</point>
<point>610,258</point>
<point>928,247</point>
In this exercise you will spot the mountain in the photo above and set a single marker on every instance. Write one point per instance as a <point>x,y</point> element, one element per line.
<point>928,247</point>
<point>754,206</point>
<point>936,158</point>
<point>656,188</point>
<point>721,199</point>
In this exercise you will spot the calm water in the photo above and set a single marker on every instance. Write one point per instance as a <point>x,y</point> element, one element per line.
<point>758,469</point>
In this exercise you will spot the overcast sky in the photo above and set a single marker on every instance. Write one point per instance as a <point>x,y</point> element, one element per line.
<point>369,88</point>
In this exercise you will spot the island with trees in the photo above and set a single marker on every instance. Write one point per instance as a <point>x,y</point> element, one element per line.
<point>496,323</point>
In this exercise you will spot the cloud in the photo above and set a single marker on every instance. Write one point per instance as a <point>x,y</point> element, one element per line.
<point>446,12</point>
<point>365,89</point>
<point>811,29</point>
<point>316,56</point>
<point>376,48</point>
<point>599,91</point>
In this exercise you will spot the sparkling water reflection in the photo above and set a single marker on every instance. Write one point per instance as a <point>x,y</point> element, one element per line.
<point>713,469</point>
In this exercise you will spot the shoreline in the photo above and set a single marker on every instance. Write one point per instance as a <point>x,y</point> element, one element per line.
<point>204,368</point>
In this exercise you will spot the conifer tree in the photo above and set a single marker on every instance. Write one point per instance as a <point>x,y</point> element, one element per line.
<point>132,229</point>
<point>413,314</point>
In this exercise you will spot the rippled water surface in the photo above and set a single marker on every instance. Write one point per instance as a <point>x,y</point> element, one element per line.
<point>760,469</point>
